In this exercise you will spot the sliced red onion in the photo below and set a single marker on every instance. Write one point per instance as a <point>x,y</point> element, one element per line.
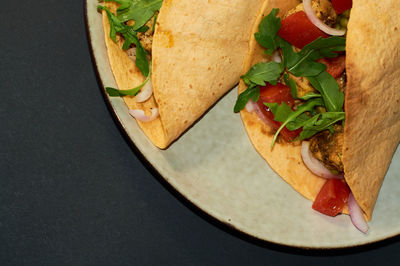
<point>276,57</point>
<point>318,23</point>
<point>250,106</point>
<point>145,92</point>
<point>356,215</point>
<point>139,114</point>
<point>315,165</point>
<point>261,115</point>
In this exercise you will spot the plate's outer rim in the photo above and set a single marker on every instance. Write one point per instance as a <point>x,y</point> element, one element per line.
<point>215,217</point>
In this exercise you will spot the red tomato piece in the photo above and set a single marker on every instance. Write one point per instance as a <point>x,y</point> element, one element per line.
<point>332,197</point>
<point>335,66</point>
<point>299,31</point>
<point>277,94</point>
<point>341,5</point>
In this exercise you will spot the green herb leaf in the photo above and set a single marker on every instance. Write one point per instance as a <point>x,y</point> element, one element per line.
<point>154,22</point>
<point>292,85</point>
<point>298,122</point>
<point>268,30</point>
<point>324,47</point>
<point>330,91</point>
<point>112,92</point>
<point>130,36</point>
<point>252,92</point>
<point>115,24</point>
<point>303,63</point>
<point>140,11</point>
<point>319,123</point>
<point>263,72</point>
<point>310,95</point>
<point>282,113</point>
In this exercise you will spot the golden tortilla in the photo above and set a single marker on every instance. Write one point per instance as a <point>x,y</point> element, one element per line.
<point>199,48</point>
<point>372,128</point>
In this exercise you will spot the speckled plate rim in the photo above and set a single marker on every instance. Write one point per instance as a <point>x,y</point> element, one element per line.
<point>189,198</point>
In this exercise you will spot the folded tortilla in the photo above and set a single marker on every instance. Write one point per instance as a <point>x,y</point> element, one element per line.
<point>198,52</point>
<point>372,97</point>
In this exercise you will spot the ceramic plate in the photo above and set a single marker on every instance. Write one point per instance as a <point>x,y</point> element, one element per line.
<point>215,167</point>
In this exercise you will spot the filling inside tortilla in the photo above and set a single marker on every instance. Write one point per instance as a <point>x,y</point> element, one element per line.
<point>132,26</point>
<point>301,93</point>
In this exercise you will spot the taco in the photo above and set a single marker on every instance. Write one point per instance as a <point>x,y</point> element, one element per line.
<point>174,59</point>
<point>320,99</point>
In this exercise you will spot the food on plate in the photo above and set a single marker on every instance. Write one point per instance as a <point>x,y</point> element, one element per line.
<point>320,99</point>
<point>173,59</point>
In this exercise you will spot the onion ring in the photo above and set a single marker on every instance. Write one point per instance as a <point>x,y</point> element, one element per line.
<point>318,23</point>
<point>250,106</point>
<point>315,165</point>
<point>139,114</point>
<point>356,215</point>
<point>145,92</point>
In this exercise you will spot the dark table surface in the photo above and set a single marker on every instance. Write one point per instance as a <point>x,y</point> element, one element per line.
<point>72,189</point>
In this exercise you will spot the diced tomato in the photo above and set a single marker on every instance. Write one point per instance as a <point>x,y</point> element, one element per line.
<point>335,66</point>
<point>299,31</point>
<point>277,94</point>
<point>332,197</point>
<point>341,5</point>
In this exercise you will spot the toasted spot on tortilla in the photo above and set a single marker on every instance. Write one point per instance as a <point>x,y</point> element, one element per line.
<point>166,38</point>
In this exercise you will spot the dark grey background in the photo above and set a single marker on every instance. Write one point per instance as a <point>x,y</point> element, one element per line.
<point>73,191</point>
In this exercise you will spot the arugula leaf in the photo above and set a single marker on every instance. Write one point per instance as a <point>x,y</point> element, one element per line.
<point>284,114</point>
<point>143,29</point>
<point>329,89</point>
<point>281,111</point>
<point>142,61</point>
<point>259,74</point>
<point>310,95</point>
<point>123,3</point>
<point>252,92</point>
<point>154,22</point>
<point>130,36</point>
<point>268,30</point>
<point>140,11</point>
<point>298,122</point>
<point>115,24</point>
<point>263,72</point>
<point>292,85</point>
<point>112,92</point>
<point>319,123</point>
<point>324,47</point>
<point>303,63</point>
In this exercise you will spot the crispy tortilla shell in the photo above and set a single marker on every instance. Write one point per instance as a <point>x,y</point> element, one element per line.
<point>198,52</point>
<point>372,127</point>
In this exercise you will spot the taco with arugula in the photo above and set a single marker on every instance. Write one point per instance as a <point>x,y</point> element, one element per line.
<point>173,59</point>
<point>320,99</point>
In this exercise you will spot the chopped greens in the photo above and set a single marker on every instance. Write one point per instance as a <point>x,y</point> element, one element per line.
<point>319,123</point>
<point>140,11</point>
<point>263,72</point>
<point>268,30</point>
<point>300,64</point>
<point>329,89</point>
<point>284,114</point>
<point>303,64</point>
